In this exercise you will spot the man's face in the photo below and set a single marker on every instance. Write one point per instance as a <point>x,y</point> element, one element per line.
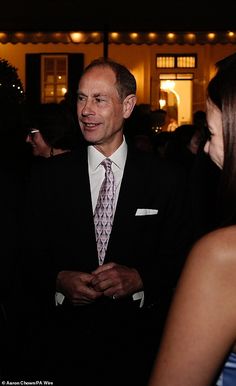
<point>101,112</point>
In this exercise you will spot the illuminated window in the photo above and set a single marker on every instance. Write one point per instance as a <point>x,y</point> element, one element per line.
<point>181,76</point>
<point>176,61</point>
<point>167,76</point>
<point>54,78</point>
<point>165,62</point>
<point>186,62</point>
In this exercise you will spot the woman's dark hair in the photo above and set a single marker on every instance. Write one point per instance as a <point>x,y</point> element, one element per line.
<point>57,125</point>
<point>222,92</point>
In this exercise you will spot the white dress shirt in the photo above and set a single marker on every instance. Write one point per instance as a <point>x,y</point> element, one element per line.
<point>97,171</point>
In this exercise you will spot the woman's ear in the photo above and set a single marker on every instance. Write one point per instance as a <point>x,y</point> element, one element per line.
<point>128,105</point>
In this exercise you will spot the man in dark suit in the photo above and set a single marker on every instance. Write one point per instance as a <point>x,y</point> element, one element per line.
<point>105,318</point>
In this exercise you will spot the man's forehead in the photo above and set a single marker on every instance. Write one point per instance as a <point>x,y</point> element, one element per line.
<point>103,74</point>
<point>97,86</point>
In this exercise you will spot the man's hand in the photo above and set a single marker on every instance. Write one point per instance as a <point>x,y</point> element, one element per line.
<point>77,287</point>
<point>116,280</point>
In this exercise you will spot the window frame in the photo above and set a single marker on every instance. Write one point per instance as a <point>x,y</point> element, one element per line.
<point>175,58</point>
<point>57,98</point>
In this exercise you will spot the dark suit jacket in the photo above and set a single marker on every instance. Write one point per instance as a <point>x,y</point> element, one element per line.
<point>60,236</point>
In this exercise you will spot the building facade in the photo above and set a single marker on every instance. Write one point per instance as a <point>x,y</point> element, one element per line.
<point>172,70</point>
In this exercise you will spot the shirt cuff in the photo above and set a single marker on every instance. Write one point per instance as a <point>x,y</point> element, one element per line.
<point>139,296</point>
<point>59,298</point>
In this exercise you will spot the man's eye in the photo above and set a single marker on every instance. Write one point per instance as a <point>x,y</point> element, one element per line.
<point>81,98</point>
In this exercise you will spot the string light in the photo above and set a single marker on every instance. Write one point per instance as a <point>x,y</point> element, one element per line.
<point>81,37</point>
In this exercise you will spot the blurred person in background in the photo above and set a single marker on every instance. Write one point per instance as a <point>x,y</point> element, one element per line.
<point>53,130</point>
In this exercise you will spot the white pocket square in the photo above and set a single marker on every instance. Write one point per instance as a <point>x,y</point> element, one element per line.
<point>146,212</point>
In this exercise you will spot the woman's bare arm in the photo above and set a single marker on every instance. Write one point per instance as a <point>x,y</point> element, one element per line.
<point>201,326</point>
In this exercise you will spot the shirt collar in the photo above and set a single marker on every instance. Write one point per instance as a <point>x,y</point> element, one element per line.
<point>118,157</point>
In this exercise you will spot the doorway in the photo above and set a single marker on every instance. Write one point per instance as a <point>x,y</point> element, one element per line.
<point>175,96</point>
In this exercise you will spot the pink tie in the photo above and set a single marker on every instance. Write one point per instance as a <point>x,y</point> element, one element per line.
<point>103,215</point>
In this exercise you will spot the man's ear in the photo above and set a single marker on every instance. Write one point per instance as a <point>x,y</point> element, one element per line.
<point>128,105</point>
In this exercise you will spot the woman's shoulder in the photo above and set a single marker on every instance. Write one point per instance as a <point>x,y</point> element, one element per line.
<point>218,245</point>
<point>220,236</point>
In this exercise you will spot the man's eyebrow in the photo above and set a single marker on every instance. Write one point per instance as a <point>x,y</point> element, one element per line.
<point>99,95</point>
<point>96,95</point>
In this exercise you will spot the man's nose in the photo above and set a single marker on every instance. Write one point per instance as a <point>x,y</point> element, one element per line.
<point>87,108</point>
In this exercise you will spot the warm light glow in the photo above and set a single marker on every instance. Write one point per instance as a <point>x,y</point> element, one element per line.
<point>20,35</point>
<point>152,35</point>
<point>57,35</point>
<point>162,103</point>
<point>134,35</point>
<point>114,35</point>
<point>63,90</point>
<point>77,37</point>
<point>231,35</point>
<point>211,36</point>
<point>119,37</point>
<point>167,85</point>
<point>191,36</point>
<point>95,35</point>
<point>3,36</point>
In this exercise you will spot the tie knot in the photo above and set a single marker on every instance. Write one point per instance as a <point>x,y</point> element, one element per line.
<point>107,164</point>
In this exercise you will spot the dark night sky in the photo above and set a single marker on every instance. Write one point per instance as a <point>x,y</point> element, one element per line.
<point>127,15</point>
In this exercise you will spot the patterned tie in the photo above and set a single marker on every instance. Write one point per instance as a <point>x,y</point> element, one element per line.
<point>103,215</point>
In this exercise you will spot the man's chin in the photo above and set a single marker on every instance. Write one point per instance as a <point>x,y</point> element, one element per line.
<point>92,139</point>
